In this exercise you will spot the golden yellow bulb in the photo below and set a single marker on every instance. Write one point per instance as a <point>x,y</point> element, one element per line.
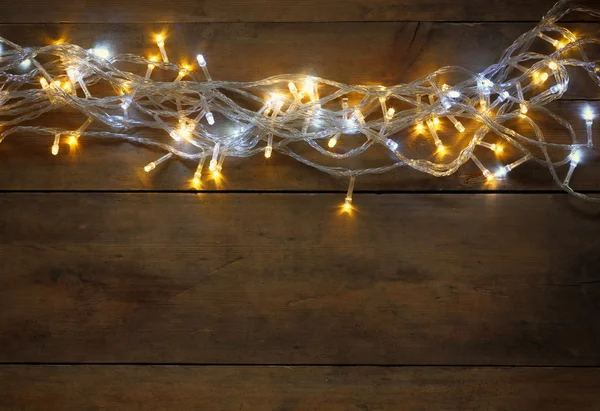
<point>420,128</point>
<point>332,142</point>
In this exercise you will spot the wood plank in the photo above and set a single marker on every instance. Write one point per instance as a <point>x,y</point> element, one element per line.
<point>243,279</point>
<point>392,52</point>
<point>93,11</point>
<point>68,388</point>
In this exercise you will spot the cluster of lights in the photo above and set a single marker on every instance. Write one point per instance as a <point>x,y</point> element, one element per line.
<point>301,109</point>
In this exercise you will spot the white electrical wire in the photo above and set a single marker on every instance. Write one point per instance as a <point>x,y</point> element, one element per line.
<point>287,110</point>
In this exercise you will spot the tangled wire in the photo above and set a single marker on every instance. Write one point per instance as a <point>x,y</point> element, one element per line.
<point>281,113</point>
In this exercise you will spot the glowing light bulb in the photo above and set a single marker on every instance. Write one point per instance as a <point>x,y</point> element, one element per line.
<point>436,121</point>
<point>102,52</point>
<point>523,108</point>
<point>501,172</point>
<point>210,118</point>
<point>55,145</point>
<point>588,114</point>
<point>420,127</point>
<point>202,63</point>
<point>559,44</point>
<point>390,114</point>
<point>309,88</point>
<point>575,157</point>
<point>497,148</point>
<point>73,140</point>
<point>454,94</point>
<point>349,193</point>
<point>269,148</point>
<point>391,144</point>
<point>160,42</point>
<point>180,75</point>
<point>557,88</point>
<point>543,77</point>
<point>332,142</point>
<point>25,64</point>
<point>552,65</point>
<point>213,162</point>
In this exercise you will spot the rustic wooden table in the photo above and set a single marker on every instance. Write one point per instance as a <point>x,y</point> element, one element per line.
<point>126,291</point>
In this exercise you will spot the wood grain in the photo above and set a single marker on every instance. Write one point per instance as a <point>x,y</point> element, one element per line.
<point>66,388</point>
<point>286,279</point>
<point>350,52</point>
<point>93,11</point>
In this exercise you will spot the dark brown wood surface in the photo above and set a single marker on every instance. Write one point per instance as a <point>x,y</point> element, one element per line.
<point>42,11</point>
<point>70,388</point>
<point>287,279</point>
<point>147,296</point>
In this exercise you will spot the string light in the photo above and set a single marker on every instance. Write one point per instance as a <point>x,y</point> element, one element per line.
<point>160,42</point>
<point>521,84</point>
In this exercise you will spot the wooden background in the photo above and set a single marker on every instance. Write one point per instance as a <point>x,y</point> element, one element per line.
<point>126,291</point>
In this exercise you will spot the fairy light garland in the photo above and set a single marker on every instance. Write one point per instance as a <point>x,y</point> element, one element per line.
<point>300,109</point>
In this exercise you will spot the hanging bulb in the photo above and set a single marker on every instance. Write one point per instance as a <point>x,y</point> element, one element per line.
<point>575,158</point>
<point>269,148</point>
<point>160,42</point>
<point>202,63</point>
<point>56,144</point>
<point>182,73</point>
<point>213,162</point>
<point>487,174</point>
<point>349,193</point>
<point>420,128</point>
<point>588,116</point>
<point>198,174</point>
